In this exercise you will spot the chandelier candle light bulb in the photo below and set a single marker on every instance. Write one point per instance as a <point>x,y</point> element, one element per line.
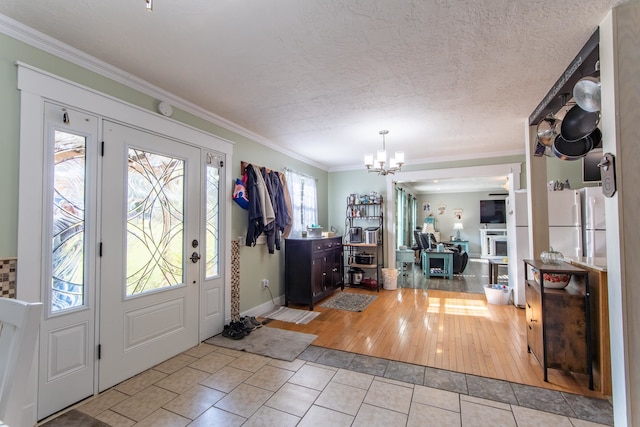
<point>377,165</point>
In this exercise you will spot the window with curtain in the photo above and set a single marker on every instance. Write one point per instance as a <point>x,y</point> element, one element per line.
<point>406,207</point>
<point>413,218</point>
<point>304,200</point>
<point>401,218</point>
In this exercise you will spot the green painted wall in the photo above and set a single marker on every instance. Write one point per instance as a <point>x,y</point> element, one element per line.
<point>255,262</point>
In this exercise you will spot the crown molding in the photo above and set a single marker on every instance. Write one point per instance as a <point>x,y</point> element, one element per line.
<point>34,38</point>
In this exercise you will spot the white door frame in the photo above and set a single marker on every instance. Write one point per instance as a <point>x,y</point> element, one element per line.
<point>35,87</point>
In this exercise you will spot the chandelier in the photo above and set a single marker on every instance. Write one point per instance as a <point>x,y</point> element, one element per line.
<point>378,165</point>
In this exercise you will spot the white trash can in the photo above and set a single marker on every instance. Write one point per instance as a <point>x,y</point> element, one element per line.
<point>497,294</point>
<point>390,279</point>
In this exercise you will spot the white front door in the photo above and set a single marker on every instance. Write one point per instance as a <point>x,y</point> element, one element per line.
<point>66,356</point>
<point>149,281</point>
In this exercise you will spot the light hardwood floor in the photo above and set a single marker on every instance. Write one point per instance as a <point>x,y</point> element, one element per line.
<point>441,329</point>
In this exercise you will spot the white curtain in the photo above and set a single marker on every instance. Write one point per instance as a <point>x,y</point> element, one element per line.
<point>304,200</point>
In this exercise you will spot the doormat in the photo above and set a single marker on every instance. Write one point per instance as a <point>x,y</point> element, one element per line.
<point>350,302</point>
<point>291,315</point>
<point>73,418</point>
<point>271,342</point>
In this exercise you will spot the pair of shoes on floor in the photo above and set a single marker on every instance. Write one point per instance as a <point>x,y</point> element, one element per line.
<point>234,330</point>
<point>251,321</point>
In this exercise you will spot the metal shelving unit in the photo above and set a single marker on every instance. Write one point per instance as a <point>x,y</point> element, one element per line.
<point>365,213</point>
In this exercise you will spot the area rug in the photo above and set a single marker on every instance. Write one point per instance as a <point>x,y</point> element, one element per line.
<point>73,418</point>
<point>291,315</point>
<point>271,342</point>
<point>350,302</point>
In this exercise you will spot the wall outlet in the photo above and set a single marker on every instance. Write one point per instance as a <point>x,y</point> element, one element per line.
<point>264,283</point>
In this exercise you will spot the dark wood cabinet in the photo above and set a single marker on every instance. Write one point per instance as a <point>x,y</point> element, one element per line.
<point>313,269</point>
<point>558,331</point>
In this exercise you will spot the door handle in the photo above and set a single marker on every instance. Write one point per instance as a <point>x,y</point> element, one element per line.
<point>195,257</point>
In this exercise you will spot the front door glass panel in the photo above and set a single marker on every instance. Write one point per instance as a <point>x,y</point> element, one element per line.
<point>155,217</point>
<point>68,252</point>
<point>213,222</point>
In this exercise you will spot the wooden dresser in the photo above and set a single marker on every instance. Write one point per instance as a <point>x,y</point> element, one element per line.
<point>313,269</point>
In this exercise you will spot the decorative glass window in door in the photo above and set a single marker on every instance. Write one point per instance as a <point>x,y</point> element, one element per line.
<point>68,233</point>
<point>155,216</point>
<point>213,221</point>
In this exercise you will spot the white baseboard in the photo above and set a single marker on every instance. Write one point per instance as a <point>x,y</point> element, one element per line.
<point>262,308</point>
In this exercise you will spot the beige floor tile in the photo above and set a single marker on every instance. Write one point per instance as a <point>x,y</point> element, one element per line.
<point>218,417</point>
<point>269,378</point>
<point>479,415</point>
<point>230,352</point>
<point>114,419</point>
<point>244,400</point>
<point>439,398</point>
<point>102,402</point>
<point>341,397</point>
<point>389,396</point>
<point>323,417</point>
<point>583,423</point>
<point>318,365</point>
<point>372,416</point>
<point>200,350</point>
<point>194,401</point>
<point>140,382</point>
<point>266,416</point>
<point>390,381</point>
<point>293,399</point>
<point>313,377</point>
<point>250,362</point>
<point>212,362</point>
<point>182,380</point>
<point>424,415</point>
<point>226,379</point>
<point>355,379</point>
<point>163,418</point>
<point>284,364</point>
<point>485,402</point>
<point>144,403</point>
<point>175,363</point>
<point>526,417</point>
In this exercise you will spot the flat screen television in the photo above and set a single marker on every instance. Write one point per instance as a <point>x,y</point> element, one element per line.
<point>492,212</point>
<point>590,169</point>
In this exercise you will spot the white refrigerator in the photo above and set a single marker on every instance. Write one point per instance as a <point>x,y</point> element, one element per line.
<point>595,243</point>
<point>518,249</point>
<point>565,222</point>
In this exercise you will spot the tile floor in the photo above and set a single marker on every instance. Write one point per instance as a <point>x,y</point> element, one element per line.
<point>211,386</point>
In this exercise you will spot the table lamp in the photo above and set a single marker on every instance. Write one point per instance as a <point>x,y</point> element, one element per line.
<point>458,226</point>
<point>429,229</point>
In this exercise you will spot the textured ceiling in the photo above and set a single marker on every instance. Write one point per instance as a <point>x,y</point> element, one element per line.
<point>450,79</point>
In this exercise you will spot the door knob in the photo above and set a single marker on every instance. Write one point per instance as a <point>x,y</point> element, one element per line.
<point>195,257</point>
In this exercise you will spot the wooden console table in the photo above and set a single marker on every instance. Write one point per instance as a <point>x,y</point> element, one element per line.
<point>494,266</point>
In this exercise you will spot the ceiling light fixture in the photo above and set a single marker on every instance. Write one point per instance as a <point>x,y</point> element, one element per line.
<point>149,4</point>
<point>378,165</point>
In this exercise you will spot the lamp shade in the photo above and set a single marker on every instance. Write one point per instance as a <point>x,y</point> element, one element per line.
<point>458,226</point>
<point>428,228</point>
